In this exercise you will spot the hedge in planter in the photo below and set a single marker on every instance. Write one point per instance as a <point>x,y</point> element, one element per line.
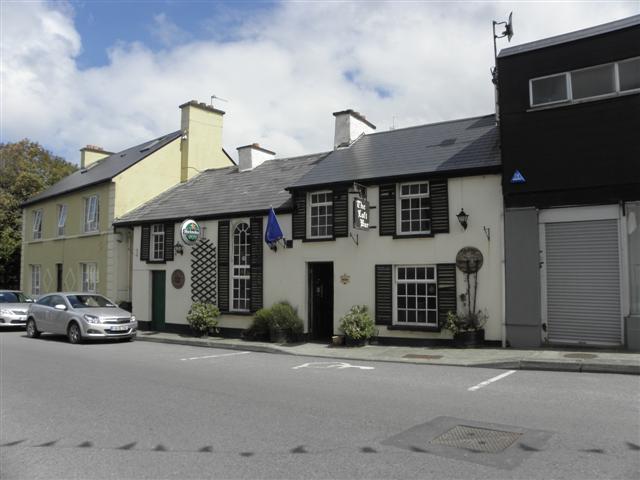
<point>203,318</point>
<point>357,326</point>
<point>279,323</point>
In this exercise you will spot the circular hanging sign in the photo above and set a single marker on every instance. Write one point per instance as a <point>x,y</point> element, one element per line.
<point>177,279</point>
<point>469,260</point>
<point>190,231</point>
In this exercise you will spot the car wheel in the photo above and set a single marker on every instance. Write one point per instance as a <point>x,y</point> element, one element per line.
<point>32,331</point>
<point>74,333</point>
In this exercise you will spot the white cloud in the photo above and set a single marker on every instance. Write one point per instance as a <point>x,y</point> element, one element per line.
<point>167,32</point>
<point>283,73</point>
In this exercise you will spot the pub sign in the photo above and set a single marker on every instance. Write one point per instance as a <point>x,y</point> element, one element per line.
<point>360,214</point>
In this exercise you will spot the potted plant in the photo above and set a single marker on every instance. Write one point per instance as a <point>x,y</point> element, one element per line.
<point>203,318</point>
<point>466,327</point>
<point>357,326</point>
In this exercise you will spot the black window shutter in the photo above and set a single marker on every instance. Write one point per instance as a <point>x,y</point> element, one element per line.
<point>145,239</point>
<point>223,265</point>
<point>299,216</point>
<point>447,301</point>
<point>340,213</point>
<point>168,241</point>
<point>387,209</point>
<point>439,193</point>
<point>384,294</point>
<point>255,259</point>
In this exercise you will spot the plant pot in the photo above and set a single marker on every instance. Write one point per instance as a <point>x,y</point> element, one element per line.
<point>355,342</point>
<point>277,335</point>
<point>199,333</point>
<point>470,338</point>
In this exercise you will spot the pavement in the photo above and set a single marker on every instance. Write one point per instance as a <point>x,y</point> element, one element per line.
<point>566,360</point>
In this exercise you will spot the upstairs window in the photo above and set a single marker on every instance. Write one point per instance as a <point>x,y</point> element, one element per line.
<point>321,214</point>
<point>414,206</point>
<point>62,219</point>
<point>586,83</point>
<point>157,242</point>
<point>91,214</point>
<point>37,224</point>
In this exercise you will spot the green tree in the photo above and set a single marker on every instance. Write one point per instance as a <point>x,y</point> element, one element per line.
<point>26,168</point>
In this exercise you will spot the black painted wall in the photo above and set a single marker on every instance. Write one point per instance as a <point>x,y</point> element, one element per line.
<point>585,153</point>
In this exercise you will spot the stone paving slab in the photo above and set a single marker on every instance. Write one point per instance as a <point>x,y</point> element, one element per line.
<point>512,359</point>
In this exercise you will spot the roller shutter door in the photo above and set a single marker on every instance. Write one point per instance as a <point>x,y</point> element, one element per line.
<point>583,282</point>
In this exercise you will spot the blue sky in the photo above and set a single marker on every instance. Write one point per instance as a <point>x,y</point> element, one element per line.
<point>113,73</point>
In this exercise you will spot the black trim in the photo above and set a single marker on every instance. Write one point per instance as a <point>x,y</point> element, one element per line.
<point>145,239</point>
<point>324,239</point>
<point>340,213</point>
<point>255,263</point>
<point>156,262</point>
<point>414,328</point>
<point>387,203</point>
<point>299,216</point>
<point>223,265</point>
<point>415,235</point>
<point>168,241</point>
<point>439,197</point>
<point>384,294</point>
<point>447,297</point>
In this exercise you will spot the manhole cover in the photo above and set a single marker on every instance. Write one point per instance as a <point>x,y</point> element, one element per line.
<point>580,355</point>
<point>424,357</point>
<point>477,439</point>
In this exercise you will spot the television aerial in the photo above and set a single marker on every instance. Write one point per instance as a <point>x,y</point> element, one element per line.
<point>217,98</point>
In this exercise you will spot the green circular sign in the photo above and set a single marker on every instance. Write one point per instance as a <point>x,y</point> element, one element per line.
<point>190,231</point>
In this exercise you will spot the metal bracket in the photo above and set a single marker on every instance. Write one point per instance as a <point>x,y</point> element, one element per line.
<point>487,232</point>
<point>355,239</point>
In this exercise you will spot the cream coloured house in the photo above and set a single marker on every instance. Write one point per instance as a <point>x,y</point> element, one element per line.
<point>68,241</point>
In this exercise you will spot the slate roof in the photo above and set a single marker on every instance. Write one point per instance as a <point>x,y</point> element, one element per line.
<point>105,169</point>
<point>572,36</point>
<point>461,145</point>
<point>226,191</point>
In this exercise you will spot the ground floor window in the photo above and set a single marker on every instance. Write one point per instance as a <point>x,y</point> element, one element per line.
<point>89,277</point>
<point>241,269</point>
<point>35,279</point>
<point>416,295</point>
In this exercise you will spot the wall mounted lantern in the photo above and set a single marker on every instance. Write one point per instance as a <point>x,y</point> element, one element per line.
<point>462,218</point>
<point>178,248</point>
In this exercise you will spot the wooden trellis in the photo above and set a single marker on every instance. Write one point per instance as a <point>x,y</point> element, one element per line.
<point>203,272</point>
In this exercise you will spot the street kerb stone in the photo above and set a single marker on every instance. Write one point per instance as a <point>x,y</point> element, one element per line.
<point>490,444</point>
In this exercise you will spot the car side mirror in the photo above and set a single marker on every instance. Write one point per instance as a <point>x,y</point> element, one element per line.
<point>60,307</point>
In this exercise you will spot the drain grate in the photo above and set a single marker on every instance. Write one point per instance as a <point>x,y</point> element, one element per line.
<point>425,357</point>
<point>477,439</point>
<point>580,355</point>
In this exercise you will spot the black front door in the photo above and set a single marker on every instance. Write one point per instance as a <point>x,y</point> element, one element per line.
<point>321,300</point>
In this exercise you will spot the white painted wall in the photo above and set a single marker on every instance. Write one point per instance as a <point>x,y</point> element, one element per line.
<point>285,271</point>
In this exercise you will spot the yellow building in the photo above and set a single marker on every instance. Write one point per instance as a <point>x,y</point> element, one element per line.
<point>68,241</point>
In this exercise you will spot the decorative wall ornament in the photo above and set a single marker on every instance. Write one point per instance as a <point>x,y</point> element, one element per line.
<point>203,272</point>
<point>345,278</point>
<point>177,279</point>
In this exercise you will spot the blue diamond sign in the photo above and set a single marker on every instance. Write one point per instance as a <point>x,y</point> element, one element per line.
<point>517,177</point>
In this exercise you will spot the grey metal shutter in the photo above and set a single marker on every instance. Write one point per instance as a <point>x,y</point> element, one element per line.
<point>223,265</point>
<point>255,259</point>
<point>387,209</point>
<point>340,213</point>
<point>583,282</point>
<point>145,238</point>
<point>299,216</point>
<point>384,294</point>
<point>439,196</point>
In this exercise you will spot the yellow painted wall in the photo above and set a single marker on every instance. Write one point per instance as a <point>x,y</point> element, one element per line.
<point>147,178</point>
<point>73,248</point>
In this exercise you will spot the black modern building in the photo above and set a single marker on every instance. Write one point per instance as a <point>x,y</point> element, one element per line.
<point>570,130</point>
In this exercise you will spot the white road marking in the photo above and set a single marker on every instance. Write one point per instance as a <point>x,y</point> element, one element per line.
<point>326,365</point>
<point>215,356</point>
<point>491,380</point>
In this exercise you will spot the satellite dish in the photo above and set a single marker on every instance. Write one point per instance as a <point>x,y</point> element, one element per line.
<point>469,260</point>
<point>508,30</point>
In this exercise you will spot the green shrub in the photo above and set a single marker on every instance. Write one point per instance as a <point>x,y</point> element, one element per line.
<point>279,317</point>
<point>260,327</point>
<point>357,324</point>
<point>203,317</point>
<point>465,322</point>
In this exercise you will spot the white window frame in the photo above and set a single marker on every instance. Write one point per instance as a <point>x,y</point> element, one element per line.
<point>400,197</point>
<point>91,214</point>
<point>89,277</point>
<point>156,247</point>
<point>326,204</point>
<point>37,224</point>
<point>240,270</point>
<point>35,279</point>
<point>62,219</point>
<point>570,100</point>
<point>397,281</point>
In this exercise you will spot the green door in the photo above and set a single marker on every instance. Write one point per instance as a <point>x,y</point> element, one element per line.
<point>158,278</point>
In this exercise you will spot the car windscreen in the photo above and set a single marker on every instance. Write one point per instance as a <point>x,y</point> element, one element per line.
<point>12,297</point>
<point>89,301</point>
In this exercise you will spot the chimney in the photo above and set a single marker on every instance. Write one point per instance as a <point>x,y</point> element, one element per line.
<point>349,126</point>
<point>91,154</point>
<point>250,156</point>
<point>201,144</point>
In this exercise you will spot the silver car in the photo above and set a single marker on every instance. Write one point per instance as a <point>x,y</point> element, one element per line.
<point>13,308</point>
<point>80,316</point>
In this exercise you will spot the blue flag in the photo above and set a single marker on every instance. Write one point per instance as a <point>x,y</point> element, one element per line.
<point>273,232</point>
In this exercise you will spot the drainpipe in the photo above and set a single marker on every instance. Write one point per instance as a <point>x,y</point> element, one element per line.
<point>504,276</point>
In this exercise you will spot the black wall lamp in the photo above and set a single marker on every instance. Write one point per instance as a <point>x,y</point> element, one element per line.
<point>462,218</point>
<point>178,248</point>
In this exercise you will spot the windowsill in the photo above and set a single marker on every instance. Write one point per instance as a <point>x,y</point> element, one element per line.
<point>90,234</point>
<point>415,328</point>
<point>318,239</point>
<point>567,103</point>
<point>413,235</point>
<point>157,262</point>
<point>243,313</point>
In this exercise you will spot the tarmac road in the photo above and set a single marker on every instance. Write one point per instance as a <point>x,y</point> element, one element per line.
<point>149,410</point>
